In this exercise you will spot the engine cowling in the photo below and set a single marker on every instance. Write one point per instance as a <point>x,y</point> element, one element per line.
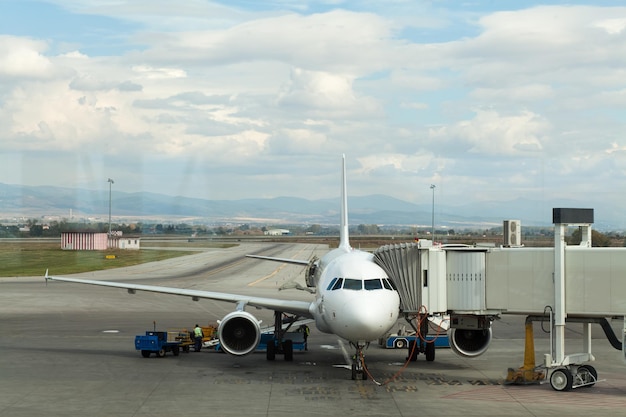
<point>469,343</point>
<point>239,333</point>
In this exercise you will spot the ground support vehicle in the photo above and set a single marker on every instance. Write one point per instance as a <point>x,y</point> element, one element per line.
<point>417,345</point>
<point>395,341</point>
<point>158,343</point>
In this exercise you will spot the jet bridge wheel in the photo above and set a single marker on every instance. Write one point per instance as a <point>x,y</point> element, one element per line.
<point>586,375</point>
<point>561,379</point>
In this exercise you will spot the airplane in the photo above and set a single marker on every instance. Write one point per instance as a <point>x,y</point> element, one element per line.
<point>354,300</point>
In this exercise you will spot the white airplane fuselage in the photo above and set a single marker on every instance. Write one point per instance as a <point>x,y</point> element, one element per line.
<point>354,299</point>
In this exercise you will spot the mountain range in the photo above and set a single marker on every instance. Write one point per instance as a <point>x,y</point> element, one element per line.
<point>41,201</point>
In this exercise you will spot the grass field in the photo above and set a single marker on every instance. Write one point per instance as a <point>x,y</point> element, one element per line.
<point>32,258</point>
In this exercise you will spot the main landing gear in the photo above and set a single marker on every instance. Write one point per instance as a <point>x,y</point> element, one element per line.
<point>421,346</point>
<point>277,345</point>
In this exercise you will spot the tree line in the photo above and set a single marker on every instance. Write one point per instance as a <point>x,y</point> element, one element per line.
<point>53,229</point>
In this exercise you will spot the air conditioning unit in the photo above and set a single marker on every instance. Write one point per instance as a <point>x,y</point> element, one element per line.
<point>512,233</point>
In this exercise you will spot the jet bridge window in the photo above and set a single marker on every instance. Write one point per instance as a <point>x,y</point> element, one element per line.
<point>353,284</point>
<point>373,284</point>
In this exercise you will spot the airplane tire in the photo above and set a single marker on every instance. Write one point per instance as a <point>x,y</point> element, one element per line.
<point>413,351</point>
<point>271,350</point>
<point>430,352</point>
<point>288,350</point>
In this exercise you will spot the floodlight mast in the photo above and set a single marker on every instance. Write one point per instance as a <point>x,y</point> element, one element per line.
<point>110,181</point>
<point>432,227</point>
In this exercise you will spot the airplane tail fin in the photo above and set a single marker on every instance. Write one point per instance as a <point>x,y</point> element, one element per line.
<point>344,242</point>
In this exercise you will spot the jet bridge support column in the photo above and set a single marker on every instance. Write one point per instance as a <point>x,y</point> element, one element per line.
<point>559,293</point>
<point>566,371</point>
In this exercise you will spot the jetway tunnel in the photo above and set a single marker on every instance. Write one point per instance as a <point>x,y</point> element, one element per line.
<point>488,281</point>
<point>474,285</point>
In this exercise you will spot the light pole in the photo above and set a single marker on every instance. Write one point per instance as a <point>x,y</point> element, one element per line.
<point>110,181</point>
<point>432,227</point>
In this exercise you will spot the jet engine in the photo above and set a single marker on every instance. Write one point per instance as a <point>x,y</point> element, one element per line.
<point>469,343</point>
<point>239,333</point>
<point>469,334</point>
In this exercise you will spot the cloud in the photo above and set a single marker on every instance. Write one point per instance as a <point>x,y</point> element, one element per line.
<point>202,89</point>
<point>325,95</point>
<point>24,58</point>
<point>490,133</point>
<point>151,73</point>
<point>297,142</point>
<point>335,41</point>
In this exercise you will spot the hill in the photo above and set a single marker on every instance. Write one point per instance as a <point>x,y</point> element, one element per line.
<point>25,201</point>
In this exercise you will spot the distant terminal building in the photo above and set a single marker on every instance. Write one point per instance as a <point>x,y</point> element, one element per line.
<point>97,241</point>
<point>277,232</point>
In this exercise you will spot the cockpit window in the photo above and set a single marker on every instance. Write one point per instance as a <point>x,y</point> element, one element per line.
<point>388,285</point>
<point>353,284</point>
<point>337,284</point>
<point>373,284</point>
<point>357,284</point>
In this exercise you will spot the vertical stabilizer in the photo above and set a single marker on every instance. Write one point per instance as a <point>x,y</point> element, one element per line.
<point>344,242</point>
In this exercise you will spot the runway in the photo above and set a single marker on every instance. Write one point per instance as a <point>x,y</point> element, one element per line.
<point>67,350</point>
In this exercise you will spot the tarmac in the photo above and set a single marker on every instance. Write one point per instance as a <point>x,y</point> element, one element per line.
<point>68,350</point>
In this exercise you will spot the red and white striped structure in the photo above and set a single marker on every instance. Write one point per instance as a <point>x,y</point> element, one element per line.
<point>84,241</point>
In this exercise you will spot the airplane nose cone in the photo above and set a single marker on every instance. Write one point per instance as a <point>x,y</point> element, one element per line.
<point>367,318</point>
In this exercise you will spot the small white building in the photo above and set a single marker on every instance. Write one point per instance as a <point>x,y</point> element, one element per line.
<point>277,232</point>
<point>128,242</point>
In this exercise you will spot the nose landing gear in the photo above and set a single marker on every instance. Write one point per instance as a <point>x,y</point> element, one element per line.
<point>358,361</point>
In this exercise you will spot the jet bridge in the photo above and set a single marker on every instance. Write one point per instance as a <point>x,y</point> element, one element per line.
<point>409,265</point>
<point>474,285</point>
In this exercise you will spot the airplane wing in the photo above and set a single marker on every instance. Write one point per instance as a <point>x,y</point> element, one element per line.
<point>284,260</point>
<point>301,308</point>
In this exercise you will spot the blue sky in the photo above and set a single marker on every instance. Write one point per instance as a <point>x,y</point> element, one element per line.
<point>489,100</point>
